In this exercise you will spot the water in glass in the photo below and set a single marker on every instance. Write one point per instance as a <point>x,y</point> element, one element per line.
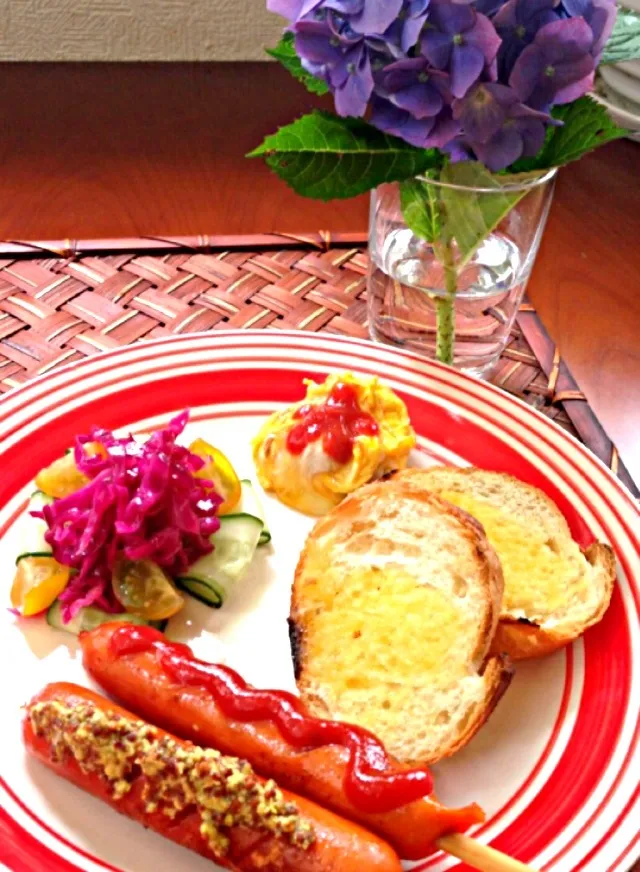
<point>405,280</point>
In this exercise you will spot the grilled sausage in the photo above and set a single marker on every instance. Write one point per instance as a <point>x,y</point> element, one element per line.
<point>212,804</point>
<point>139,682</point>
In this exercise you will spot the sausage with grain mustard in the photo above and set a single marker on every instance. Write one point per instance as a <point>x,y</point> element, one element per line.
<point>213,804</point>
<point>138,681</point>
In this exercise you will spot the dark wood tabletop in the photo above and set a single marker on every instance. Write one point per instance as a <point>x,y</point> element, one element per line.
<point>93,150</point>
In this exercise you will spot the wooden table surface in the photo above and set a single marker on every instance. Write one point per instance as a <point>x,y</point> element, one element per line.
<point>90,150</point>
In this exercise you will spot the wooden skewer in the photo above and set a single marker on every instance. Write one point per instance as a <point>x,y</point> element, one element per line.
<point>480,856</point>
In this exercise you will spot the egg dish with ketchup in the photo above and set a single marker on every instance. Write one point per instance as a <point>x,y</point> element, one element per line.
<point>346,431</point>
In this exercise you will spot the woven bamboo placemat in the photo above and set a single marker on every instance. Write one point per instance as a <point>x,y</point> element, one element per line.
<point>64,300</point>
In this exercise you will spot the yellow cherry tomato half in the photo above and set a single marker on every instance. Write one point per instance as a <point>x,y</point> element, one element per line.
<point>145,590</point>
<point>38,582</point>
<point>219,470</point>
<point>62,477</point>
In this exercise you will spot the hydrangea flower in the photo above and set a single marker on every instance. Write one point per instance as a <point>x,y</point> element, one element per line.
<point>558,66</point>
<point>428,132</point>
<point>414,86</point>
<point>292,9</point>
<point>405,31</point>
<point>332,51</point>
<point>489,7</point>
<point>517,23</point>
<point>461,40</point>
<point>600,15</point>
<point>475,78</point>
<point>498,127</point>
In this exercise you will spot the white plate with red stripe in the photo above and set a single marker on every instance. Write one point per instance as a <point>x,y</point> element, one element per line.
<point>557,766</point>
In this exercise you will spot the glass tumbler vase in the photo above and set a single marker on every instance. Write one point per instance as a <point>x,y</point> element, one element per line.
<point>418,287</point>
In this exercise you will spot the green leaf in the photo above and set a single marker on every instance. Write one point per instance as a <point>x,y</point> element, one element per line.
<point>472,215</point>
<point>624,42</point>
<point>326,157</point>
<point>421,207</point>
<point>285,52</point>
<point>585,125</point>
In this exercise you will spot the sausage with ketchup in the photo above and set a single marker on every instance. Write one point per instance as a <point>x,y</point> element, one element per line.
<point>198,798</point>
<point>164,683</point>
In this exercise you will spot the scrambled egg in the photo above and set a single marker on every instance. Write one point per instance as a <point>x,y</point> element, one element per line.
<point>312,481</point>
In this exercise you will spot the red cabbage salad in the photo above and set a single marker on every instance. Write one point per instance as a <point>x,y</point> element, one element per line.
<point>142,501</point>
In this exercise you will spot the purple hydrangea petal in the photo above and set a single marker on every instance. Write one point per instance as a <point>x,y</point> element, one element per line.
<point>502,149</point>
<point>289,9</point>
<point>533,136</point>
<point>467,64</point>
<point>314,42</point>
<point>411,85</point>
<point>458,150</point>
<point>568,38</point>
<point>507,17</point>
<point>436,47</point>
<point>292,9</point>
<point>489,7</point>
<point>402,73</point>
<point>376,16</point>
<point>557,66</point>
<point>345,8</point>
<point>525,14</point>
<point>527,72</point>
<point>575,89</point>
<point>517,24</point>
<point>484,110</point>
<point>416,16</point>
<point>451,17</point>
<point>576,8</point>
<point>318,70</point>
<point>419,101</point>
<point>444,130</point>
<point>484,36</point>
<point>601,23</point>
<point>342,31</point>
<point>352,95</point>
<point>388,118</point>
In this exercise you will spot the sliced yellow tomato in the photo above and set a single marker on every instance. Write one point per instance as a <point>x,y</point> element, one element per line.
<point>62,477</point>
<point>38,582</point>
<point>219,470</point>
<point>145,590</point>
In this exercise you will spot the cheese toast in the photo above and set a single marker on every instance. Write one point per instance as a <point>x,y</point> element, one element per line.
<point>553,590</point>
<point>395,602</point>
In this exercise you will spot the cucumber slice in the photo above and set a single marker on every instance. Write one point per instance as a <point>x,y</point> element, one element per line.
<point>89,618</point>
<point>31,533</point>
<point>33,554</point>
<point>208,592</point>
<point>211,577</point>
<point>250,505</point>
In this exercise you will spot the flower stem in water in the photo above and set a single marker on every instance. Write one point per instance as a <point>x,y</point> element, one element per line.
<point>445,318</point>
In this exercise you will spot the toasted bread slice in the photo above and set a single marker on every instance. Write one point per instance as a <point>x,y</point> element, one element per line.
<point>553,590</point>
<point>395,602</point>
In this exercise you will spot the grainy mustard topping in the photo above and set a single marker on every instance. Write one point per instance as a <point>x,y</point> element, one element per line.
<point>223,790</point>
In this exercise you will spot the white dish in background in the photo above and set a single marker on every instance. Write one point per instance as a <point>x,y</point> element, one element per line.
<point>619,110</point>
<point>622,84</point>
<point>631,68</point>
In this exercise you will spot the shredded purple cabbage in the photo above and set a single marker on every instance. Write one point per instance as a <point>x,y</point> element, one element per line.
<point>142,502</point>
